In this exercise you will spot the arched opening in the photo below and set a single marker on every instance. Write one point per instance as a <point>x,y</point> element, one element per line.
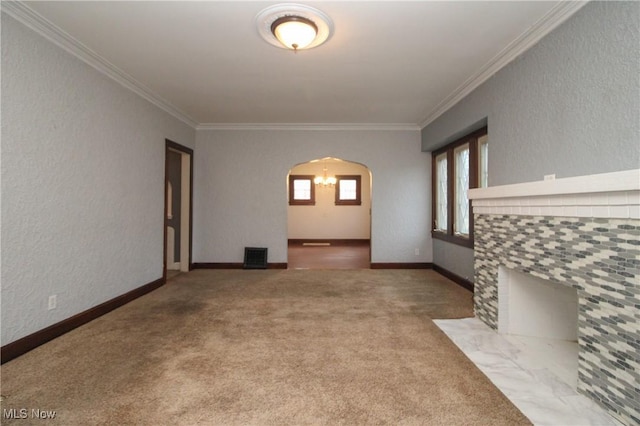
<point>329,215</point>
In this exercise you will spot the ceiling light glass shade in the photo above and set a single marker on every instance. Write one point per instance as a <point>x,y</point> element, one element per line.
<point>308,27</point>
<point>294,32</point>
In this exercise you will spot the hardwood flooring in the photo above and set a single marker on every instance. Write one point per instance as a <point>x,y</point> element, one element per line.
<point>334,256</point>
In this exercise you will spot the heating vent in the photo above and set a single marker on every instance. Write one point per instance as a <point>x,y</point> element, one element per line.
<point>255,258</point>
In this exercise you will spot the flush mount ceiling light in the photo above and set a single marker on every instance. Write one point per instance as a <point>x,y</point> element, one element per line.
<point>294,26</point>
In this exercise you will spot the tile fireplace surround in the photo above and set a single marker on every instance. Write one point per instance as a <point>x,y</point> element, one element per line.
<point>582,232</point>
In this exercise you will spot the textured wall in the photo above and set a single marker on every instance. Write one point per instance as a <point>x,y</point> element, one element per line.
<point>598,257</point>
<point>569,105</point>
<point>240,196</point>
<point>454,258</point>
<point>82,184</point>
<point>325,219</point>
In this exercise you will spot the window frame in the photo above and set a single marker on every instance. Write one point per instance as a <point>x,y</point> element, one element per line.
<point>295,202</point>
<point>482,182</point>
<point>435,191</point>
<point>463,147</point>
<point>358,200</point>
<point>449,235</point>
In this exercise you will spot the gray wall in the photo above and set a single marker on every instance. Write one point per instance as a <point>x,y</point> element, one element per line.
<point>82,184</point>
<point>240,189</point>
<point>454,258</point>
<point>569,106</point>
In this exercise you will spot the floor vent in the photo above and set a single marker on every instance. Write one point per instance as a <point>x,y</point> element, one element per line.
<point>255,258</point>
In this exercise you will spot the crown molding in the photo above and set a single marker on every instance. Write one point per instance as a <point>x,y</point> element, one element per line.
<point>550,21</point>
<point>33,20</point>
<point>30,18</point>
<point>310,126</point>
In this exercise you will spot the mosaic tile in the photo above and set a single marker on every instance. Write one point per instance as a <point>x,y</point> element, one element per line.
<point>601,259</point>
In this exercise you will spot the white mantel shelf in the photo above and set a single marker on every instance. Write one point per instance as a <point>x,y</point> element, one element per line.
<point>606,195</point>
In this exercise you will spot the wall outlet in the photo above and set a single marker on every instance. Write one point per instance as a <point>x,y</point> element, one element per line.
<point>417,252</point>
<point>550,177</point>
<point>53,302</point>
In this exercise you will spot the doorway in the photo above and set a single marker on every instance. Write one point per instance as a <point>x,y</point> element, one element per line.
<point>330,227</point>
<point>178,208</point>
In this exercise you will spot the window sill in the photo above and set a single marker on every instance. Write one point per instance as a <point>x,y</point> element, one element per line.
<point>453,239</point>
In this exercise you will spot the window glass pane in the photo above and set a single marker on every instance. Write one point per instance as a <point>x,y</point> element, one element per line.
<point>302,189</point>
<point>483,162</point>
<point>461,215</point>
<point>348,189</point>
<point>441,192</point>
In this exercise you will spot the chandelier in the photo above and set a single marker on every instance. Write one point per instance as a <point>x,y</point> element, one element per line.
<point>324,180</point>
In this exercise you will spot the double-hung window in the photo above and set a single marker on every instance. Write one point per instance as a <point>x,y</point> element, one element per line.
<point>457,167</point>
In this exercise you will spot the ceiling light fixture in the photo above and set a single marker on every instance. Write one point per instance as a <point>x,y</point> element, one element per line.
<point>294,32</point>
<point>294,26</point>
<point>324,180</point>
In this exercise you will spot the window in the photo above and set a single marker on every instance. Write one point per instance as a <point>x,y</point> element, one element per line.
<point>483,161</point>
<point>348,190</point>
<point>461,173</point>
<point>458,167</point>
<point>302,191</point>
<point>441,193</point>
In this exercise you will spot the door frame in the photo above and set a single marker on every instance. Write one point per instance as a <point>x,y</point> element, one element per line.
<point>186,208</point>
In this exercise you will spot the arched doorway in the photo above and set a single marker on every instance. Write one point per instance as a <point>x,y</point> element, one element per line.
<point>329,223</point>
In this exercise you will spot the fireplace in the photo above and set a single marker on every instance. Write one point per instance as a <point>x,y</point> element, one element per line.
<point>530,306</point>
<point>543,318</point>
<point>582,234</point>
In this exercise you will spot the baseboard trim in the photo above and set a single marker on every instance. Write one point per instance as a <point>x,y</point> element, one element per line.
<point>21,346</point>
<point>398,265</point>
<point>217,265</point>
<point>462,282</point>
<point>332,241</point>
<point>233,265</point>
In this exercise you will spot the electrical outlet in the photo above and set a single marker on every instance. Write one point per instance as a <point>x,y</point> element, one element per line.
<point>53,301</point>
<point>550,177</point>
<point>417,252</point>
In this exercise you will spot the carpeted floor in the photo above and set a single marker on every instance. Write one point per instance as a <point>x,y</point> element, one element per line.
<point>234,347</point>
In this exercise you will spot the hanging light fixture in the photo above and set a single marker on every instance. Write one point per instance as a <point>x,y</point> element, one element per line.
<point>294,26</point>
<point>324,180</point>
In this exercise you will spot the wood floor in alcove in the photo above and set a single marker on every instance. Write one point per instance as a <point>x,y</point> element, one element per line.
<point>334,256</point>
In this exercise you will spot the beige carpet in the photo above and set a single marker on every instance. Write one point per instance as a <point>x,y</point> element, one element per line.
<point>266,348</point>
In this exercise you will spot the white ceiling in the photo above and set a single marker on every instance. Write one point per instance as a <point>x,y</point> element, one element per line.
<point>389,63</point>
